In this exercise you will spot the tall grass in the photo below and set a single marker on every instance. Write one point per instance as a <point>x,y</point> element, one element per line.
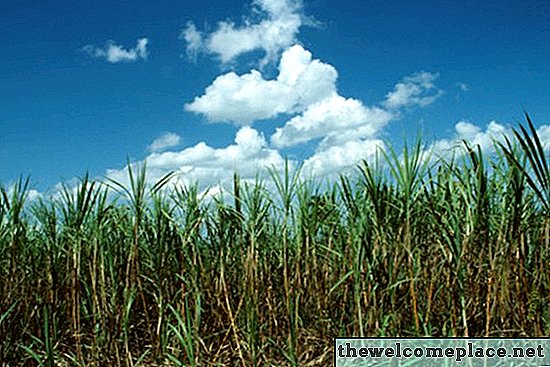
<point>162,276</point>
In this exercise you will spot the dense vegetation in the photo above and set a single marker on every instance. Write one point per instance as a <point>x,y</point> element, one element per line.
<point>270,273</point>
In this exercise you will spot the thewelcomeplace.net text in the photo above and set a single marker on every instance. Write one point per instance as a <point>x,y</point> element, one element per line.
<point>456,353</point>
<point>428,352</point>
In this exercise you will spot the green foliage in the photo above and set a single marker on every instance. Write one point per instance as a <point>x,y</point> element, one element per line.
<point>269,273</point>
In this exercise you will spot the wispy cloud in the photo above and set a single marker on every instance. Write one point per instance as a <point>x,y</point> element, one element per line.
<point>164,141</point>
<point>462,86</point>
<point>114,53</point>
<point>194,40</point>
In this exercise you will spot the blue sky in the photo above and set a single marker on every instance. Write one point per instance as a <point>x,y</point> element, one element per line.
<point>86,85</point>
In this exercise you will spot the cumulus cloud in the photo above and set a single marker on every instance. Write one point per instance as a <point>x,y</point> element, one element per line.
<point>338,159</point>
<point>415,90</point>
<point>339,120</point>
<point>305,89</point>
<point>348,129</point>
<point>248,155</point>
<point>114,53</point>
<point>544,135</point>
<point>32,195</point>
<point>476,135</point>
<point>277,30</point>
<point>335,119</point>
<point>164,141</point>
<point>243,99</point>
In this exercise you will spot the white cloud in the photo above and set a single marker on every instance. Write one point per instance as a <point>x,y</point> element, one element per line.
<point>305,88</point>
<point>210,166</point>
<point>341,158</point>
<point>194,41</point>
<point>475,135</point>
<point>336,119</point>
<point>462,86</point>
<point>250,155</point>
<point>34,195</point>
<point>164,141</point>
<point>243,99</point>
<point>31,194</point>
<point>277,31</point>
<point>279,8</point>
<point>415,90</point>
<point>544,135</point>
<point>114,53</point>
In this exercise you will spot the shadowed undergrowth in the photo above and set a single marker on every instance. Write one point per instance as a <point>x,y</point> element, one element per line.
<point>162,276</point>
